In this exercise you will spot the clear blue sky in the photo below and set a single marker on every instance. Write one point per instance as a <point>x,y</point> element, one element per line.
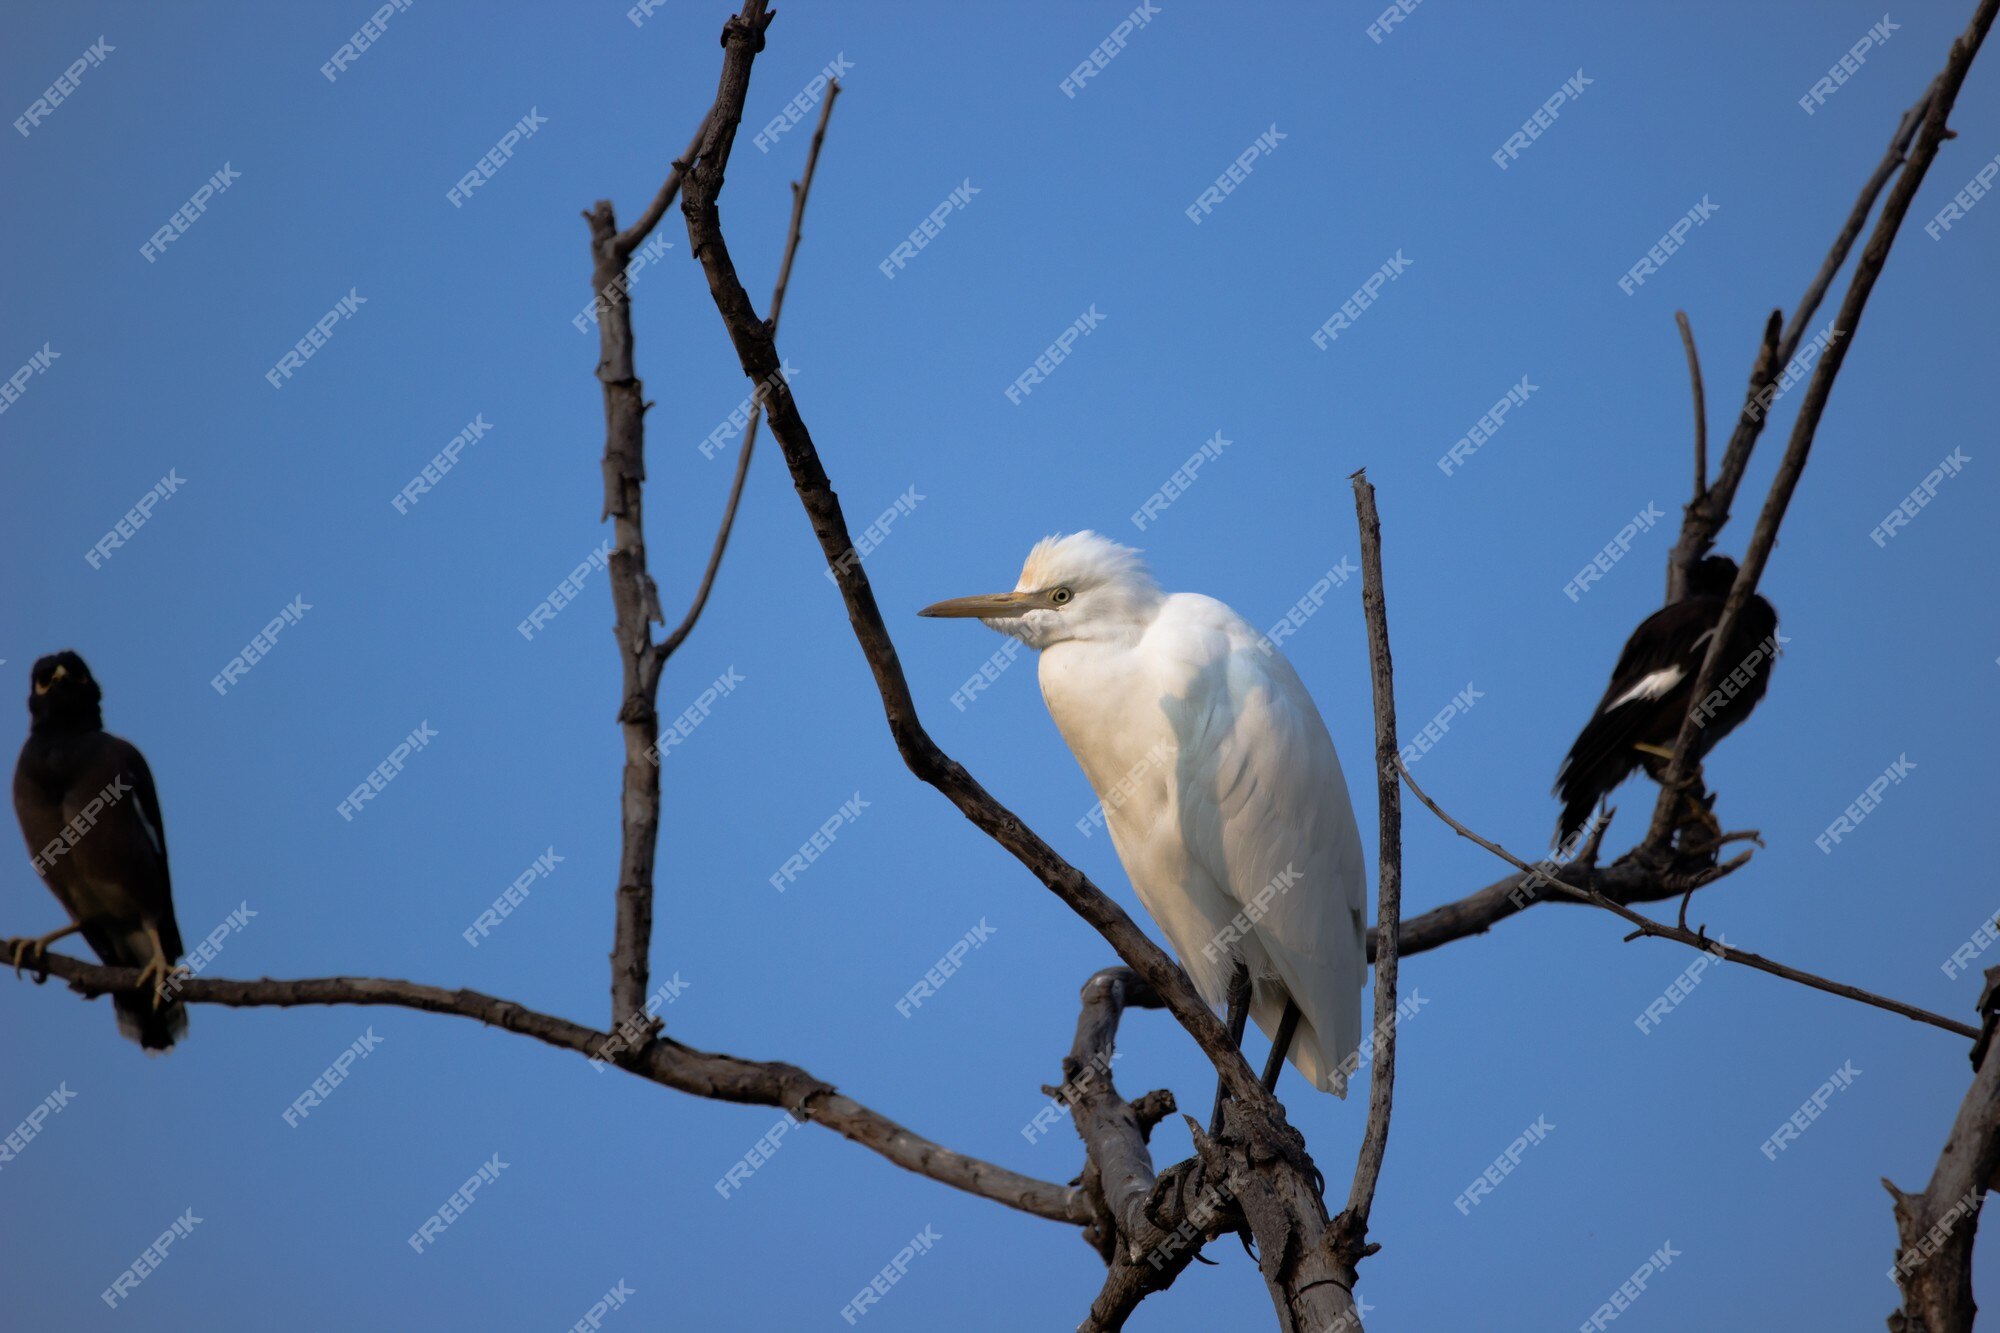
<point>1387,149</point>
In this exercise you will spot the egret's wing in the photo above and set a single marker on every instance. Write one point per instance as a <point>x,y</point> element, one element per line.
<point>1265,814</point>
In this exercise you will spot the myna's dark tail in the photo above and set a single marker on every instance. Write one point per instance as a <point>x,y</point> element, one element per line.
<point>1576,813</point>
<point>1602,758</point>
<point>155,1029</point>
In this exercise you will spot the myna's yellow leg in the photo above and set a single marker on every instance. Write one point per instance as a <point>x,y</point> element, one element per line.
<point>1660,751</point>
<point>158,968</point>
<point>1704,819</point>
<point>25,949</point>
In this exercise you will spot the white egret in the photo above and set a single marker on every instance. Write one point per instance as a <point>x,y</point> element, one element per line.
<point>1219,784</point>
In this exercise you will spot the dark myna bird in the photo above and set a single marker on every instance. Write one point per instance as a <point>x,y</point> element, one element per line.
<point>87,806</point>
<point>1652,689</point>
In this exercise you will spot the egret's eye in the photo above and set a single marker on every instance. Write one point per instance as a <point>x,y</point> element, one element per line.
<point>1060,596</point>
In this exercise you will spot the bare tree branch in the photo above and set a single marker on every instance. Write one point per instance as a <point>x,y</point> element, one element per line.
<point>1710,510</point>
<point>1936,107</point>
<point>1267,1169</point>
<point>1628,880</point>
<point>666,1062</point>
<point>634,597</point>
<point>1700,407</point>
<point>1350,1229</point>
<point>636,605</point>
<point>800,189</point>
<point>1143,1228</point>
<point>1104,1120</point>
<point>1692,938</point>
<point>1935,1229</point>
<point>633,236</point>
<point>1857,218</point>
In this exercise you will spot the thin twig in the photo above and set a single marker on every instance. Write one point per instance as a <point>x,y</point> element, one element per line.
<point>1857,218</point>
<point>1700,407</point>
<point>1629,880</point>
<point>666,1062</point>
<point>633,236</point>
<point>1351,1227</point>
<point>1937,106</point>
<point>800,189</point>
<point>1704,518</point>
<point>1696,939</point>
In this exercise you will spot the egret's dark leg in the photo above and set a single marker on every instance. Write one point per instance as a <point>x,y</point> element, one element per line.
<point>1281,1045</point>
<point>1238,999</point>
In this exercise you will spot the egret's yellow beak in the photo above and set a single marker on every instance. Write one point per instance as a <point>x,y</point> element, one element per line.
<point>985,605</point>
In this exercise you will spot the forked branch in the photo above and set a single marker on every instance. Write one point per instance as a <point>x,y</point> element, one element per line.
<point>1935,108</point>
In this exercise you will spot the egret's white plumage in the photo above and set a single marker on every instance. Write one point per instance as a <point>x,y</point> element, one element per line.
<point>1220,785</point>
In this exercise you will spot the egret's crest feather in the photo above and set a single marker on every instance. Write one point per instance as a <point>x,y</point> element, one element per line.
<point>1085,559</point>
